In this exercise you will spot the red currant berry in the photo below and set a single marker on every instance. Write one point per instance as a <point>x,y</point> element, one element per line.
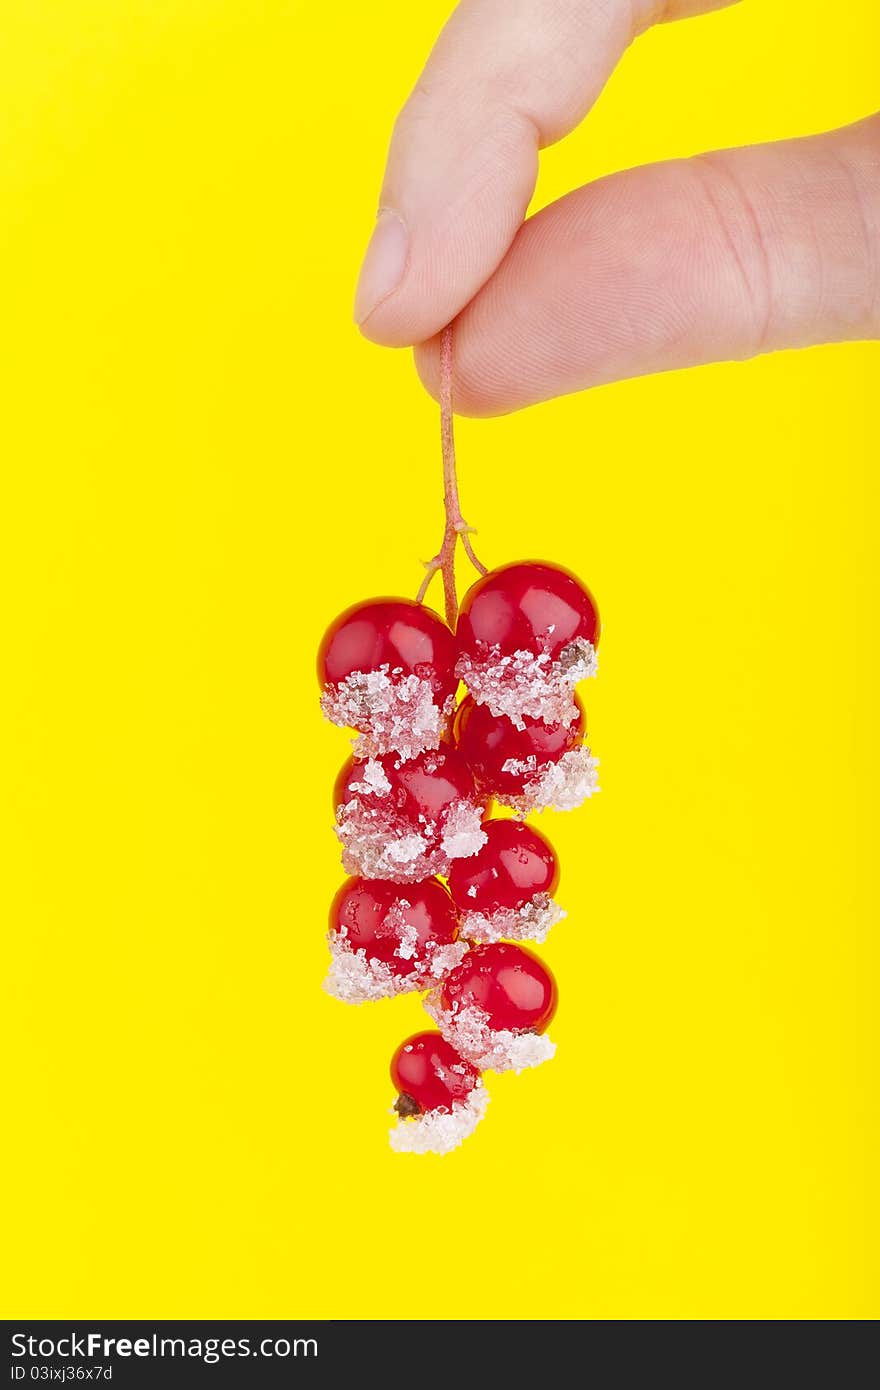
<point>386,669</point>
<point>528,606</point>
<point>385,940</point>
<point>430,1074</point>
<point>504,758</point>
<point>495,1006</point>
<point>527,633</point>
<point>515,863</point>
<point>508,984</point>
<point>503,892</point>
<point>398,928</point>
<point>407,821</point>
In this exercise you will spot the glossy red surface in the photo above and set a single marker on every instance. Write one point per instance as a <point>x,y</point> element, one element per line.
<point>422,1067</point>
<point>515,863</point>
<point>510,984</point>
<point>487,741</point>
<point>421,789</point>
<point>529,606</point>
<point>362,906</point>
<point>391,631</point>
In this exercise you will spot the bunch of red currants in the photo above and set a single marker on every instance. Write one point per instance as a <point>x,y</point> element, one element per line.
<point>413,808</point>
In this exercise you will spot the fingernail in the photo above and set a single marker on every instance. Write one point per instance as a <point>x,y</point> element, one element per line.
<point>384,264</point>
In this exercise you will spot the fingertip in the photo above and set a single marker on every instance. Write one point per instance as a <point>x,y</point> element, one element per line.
<point>407,315</point>
<point>405,292</point>
<point>382,328</point>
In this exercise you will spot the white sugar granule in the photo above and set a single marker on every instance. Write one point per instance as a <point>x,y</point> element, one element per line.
<point>469,1032</point>
<point>559,786</point>
<point>356,980</point>
<point>407,935</point>
<point>463,833</point>
<point>529,683</point>
<point>393,712</point>
<point>439,1132</point>
<point>373,781</point>
<point>531,922</point>
<point>374,847</point>
<point>378,843</point>
<point>445,958</point>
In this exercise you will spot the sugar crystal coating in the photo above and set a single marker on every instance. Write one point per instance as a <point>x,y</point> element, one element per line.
<point>530,922</point>
<point>355,978</point>
<point>394,712</point>
<point>468,1030</point>
<point>463,834</point>
<point>373,779</point>
<point>385,667</point>
<point>407,820</point>
<point>559,786</point>
<point>529,683</point>
<point>376,843</point>
<point>441,1131</point>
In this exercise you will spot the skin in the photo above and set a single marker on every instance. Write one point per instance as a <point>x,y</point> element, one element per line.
<point>723,256</point>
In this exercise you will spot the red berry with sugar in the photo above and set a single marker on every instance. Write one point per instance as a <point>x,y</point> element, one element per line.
<point>526,634</point>
<point>429,1071</point>
<point>495,1006</point>
<point>512,987</point>
<point>407,820</point>
<point>385,668</point>
<point>505,891</point>
<point>440,1097</point>
<point>527,768</point>
<point>387,940</point>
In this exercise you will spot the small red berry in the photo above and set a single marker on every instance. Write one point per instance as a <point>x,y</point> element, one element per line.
<point>385,667</point>
<point>509,984</point>
<point>527,633</point>
<point>407,821</point>
<point>504,758</point>
<point>528,606</point>
<point>379,917</point>
<point>503,892</point>
<point>515,863</point>
<point>430,1073</point>
<point>494,1007</point>
<point>387,940</point>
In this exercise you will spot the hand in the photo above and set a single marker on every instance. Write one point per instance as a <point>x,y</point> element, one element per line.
<point>723,256</point>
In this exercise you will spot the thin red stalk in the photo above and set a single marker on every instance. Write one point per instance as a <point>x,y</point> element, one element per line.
<point>469,552</point>
<point>450,481</point>
<point>455,526</point>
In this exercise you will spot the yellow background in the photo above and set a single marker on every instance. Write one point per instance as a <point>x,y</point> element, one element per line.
<point>202,463</point>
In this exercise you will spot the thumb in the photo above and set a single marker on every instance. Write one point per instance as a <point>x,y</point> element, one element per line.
<point>505,78</point>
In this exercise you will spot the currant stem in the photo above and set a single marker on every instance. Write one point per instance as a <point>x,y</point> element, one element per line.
<point>456,527</point>
<point>469,552</point>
